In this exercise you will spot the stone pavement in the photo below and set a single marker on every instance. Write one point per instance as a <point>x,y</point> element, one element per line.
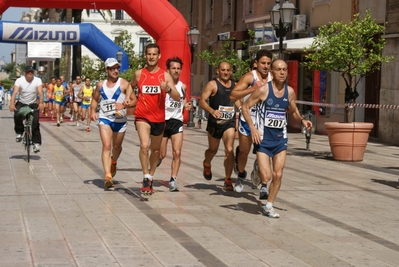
<point>55,212</point>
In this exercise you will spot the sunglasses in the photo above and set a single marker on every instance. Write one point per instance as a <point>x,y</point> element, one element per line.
<point>114,68</point>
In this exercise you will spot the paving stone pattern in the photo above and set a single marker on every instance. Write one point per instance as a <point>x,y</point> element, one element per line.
<point>55,212</point>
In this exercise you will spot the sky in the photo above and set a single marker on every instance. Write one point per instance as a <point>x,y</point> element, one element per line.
<point>11,14</point>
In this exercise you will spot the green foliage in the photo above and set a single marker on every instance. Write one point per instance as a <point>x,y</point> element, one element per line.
<point>7,84</point>
<point>225,53</point>
<point>351,49</point>
<point>95,69</point>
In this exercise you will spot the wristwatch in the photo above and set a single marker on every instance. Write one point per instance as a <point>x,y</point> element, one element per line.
<point>169,90</point>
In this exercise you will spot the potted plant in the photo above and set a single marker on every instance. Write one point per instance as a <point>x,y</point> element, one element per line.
<point>353,50</point>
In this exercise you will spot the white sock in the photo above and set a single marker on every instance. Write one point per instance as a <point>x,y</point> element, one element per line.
<point>269,204</point>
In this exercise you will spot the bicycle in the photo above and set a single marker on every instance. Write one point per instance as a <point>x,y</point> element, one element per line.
<point>27,113</point>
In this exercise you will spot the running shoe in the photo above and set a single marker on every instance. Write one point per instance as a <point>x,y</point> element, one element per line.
<point>255,174</point>
<point>207,172</point>
<point>236,160</point>
<point>18,138</point>
<point>228,185</point>
<point>87,129</point>
<point>239,186</point>
<point>270,212</point>
<point>58,124</point>
<point>36,148</point>
<point>113,168</point>
<point>77,123</point>
<point>159,162</point>
<point>173,185</point>
<point>263,192</point>
<point>108,183</point>
<point>146,187</point>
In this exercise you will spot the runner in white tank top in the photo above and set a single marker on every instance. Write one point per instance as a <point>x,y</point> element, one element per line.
<point>243,89</point>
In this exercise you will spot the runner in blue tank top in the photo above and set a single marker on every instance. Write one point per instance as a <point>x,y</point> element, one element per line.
<point>275,97</point>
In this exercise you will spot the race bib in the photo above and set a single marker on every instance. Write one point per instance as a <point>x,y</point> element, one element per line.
<point>227,112</point>
<point>108,107</point>
<point>175,104</point>
<point>275,119</point>
<point>59,93</point>
<point>151,89</point>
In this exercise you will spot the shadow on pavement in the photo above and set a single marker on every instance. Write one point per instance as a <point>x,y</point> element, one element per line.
<point>394,184</point>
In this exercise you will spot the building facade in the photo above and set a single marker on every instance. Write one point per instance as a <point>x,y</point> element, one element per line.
<point>232,18</point>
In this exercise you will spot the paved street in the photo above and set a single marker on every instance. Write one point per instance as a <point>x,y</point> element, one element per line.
<point>55,212</point>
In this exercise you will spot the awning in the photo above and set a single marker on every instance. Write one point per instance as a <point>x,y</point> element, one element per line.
<point>291,46</point>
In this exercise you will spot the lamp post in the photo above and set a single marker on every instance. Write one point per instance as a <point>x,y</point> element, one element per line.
<point>192,38</point>
<point>119,56</point>
<point>281,18</point>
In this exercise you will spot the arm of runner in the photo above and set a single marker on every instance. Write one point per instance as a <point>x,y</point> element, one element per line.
<point>209,90</point>
<point>241,89</point>
<point>94,101</point>
<point>186,102</point>
<point>40,93</point>
<point>256,97</point>
<point>169,87</point>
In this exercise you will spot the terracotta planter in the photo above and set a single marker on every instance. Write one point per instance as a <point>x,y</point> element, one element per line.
<point>348,141</point>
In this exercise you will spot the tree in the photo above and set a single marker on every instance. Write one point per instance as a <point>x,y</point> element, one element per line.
<point>353,50</point>
<point>95,68</point>
<point>239,65</point>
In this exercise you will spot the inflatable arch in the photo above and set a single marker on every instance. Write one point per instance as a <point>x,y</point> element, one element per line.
<point>157,17</point>
<point>69,34</point>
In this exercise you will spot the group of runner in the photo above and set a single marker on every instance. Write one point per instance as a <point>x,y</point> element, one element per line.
<point>59,95</point>
<point>261,97</point>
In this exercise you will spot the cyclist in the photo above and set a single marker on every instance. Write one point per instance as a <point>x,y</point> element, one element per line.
<point>28,87</point>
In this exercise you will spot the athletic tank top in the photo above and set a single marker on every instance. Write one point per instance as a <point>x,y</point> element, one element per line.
<point>151,98</point>
<point>50,89</point>
<point>76,90</point>
<point>253,111</point>
<point>274,111</point>
<point>174,109</point>
<point>110,96</point>
<point>59,93</point>
<point>87,92</point>
<point>221,101</point>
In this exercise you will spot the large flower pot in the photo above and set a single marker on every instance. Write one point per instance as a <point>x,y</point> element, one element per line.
<point>348,141</point>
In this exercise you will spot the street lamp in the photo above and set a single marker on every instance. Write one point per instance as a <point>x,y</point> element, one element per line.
<point>192,39</point>
<point>119,56</point>
<point>281,19</point>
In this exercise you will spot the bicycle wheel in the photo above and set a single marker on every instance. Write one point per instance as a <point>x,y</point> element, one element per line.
<point>27,143</point>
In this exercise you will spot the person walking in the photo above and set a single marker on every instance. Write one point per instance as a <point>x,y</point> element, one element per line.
<point>153,85</point>
<point>221,121</point>
<point>28,87</point>
<point>271,142</point>
<point>116,95</point>
<point>174,120</point>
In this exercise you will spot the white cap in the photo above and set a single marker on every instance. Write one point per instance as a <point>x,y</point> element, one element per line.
<point>111,62</point>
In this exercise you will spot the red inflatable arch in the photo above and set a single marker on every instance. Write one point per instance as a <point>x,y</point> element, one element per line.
<point>157,17</point>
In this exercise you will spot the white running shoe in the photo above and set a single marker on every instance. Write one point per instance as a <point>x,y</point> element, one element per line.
<point>270,212</point>
<point>18,138</point>
<point>36,148</point>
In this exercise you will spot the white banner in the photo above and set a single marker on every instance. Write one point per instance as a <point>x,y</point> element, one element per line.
<point>44,50</point>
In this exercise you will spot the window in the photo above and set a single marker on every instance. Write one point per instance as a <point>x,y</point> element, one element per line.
<point>143,41</point>
<point>118,14</point>
<point>227,12</point>
<point>248,8</point>
<point>209,13</point>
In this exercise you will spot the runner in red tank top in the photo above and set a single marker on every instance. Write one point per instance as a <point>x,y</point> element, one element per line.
<point>153,84</point>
